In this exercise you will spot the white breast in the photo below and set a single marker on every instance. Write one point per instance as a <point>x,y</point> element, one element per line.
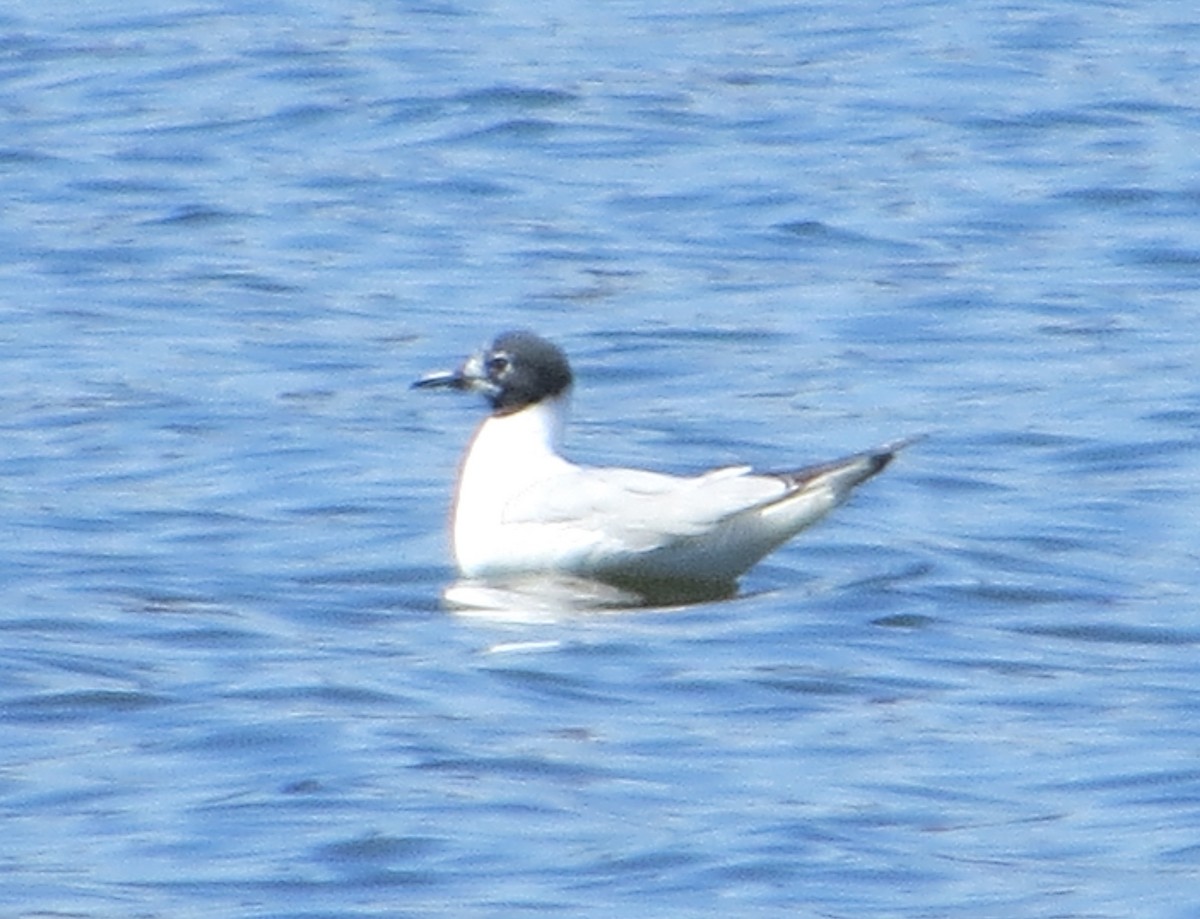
<point>508,455</point>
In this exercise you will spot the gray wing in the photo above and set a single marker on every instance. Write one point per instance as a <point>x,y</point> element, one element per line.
<point>636,511</point>
<point>643,510</point>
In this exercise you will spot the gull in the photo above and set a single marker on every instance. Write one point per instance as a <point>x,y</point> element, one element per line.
<point>521,509</point>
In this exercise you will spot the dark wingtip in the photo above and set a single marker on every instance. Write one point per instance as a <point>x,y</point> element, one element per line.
<point>876,461</point>
<point>880,462</point>
<point>882,456</point>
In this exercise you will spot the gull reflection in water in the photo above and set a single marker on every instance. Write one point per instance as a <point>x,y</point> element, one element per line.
<point>545,597</point>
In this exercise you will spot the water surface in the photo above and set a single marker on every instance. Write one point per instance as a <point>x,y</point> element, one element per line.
<point>234,233</point>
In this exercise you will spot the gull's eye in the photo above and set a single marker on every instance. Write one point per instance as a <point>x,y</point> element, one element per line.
<point>497,365</point>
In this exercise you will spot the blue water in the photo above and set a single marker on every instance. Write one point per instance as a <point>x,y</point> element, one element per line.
<point>233,233</point>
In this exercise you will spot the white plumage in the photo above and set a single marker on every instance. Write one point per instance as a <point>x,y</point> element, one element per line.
<point>521,508</point>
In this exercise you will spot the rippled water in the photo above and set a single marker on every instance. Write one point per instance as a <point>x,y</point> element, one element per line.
<point>233,234</point>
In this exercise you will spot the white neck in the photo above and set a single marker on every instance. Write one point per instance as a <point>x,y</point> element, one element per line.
<point>534,429</point>
<point>507,455</point>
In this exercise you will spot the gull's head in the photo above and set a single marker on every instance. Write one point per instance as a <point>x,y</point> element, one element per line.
<point>516,370</point>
